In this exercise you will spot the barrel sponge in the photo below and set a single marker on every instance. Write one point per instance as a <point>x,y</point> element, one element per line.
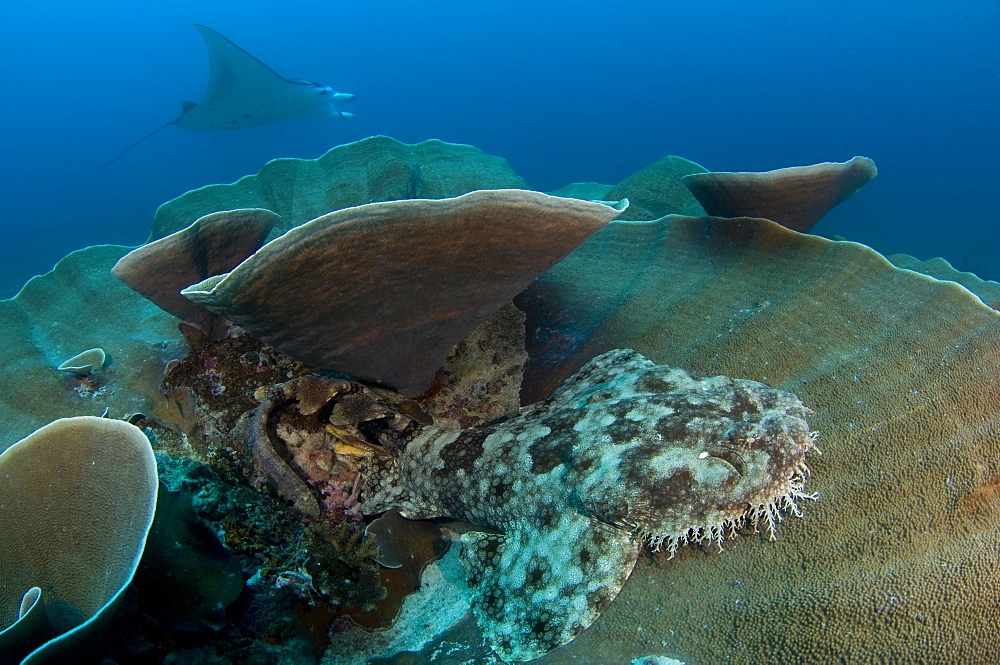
<point>77,498</point>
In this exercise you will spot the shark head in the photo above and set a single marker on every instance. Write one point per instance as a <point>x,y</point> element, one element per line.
<point>693,460</point>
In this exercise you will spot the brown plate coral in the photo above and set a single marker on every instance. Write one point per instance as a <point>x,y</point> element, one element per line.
<point>796,197</point>
<point>384,291</point>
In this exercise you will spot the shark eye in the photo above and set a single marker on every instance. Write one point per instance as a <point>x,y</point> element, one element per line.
<point>324,91</point>
<point>727,456</point>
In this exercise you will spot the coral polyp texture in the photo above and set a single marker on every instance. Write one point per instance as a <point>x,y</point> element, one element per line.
<point>76,306</point>
<point>625,452</point>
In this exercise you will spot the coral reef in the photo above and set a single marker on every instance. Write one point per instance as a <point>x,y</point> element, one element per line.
<point>424,630</point>
<point>238,381</point>
<point>186,568</point>
<point>895,563</point>
<point>939,268</point>
<point>300,575</point>
<point>215,385</point>
<point>480,379</point>
<point>658,190</point>
<point>85,362</point>
<point>404,549</point>
<point>212,245</point>
<point>301,449</point>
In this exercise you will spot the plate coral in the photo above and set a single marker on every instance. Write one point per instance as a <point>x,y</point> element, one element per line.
<point>895,562</point>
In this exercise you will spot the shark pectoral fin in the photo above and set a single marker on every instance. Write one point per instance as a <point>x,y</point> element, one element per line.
<point>534,590</point>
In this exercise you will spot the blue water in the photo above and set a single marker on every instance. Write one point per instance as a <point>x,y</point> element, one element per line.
<point>566,91</point>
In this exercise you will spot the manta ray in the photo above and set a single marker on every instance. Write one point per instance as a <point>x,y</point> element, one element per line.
<point>243,92</point>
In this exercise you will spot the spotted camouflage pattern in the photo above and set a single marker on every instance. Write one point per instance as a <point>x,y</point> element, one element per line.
<point>624,453</point>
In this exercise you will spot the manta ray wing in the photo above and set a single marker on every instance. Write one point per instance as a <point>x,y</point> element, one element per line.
<point>243,92</point>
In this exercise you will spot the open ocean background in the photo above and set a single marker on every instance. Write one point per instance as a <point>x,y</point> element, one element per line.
<point>565,91</point>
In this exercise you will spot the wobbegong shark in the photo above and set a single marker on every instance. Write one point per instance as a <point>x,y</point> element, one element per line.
<point>243,92</point>
<point>566,492</point>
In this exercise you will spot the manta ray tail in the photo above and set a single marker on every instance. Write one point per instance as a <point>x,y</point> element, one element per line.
<point>119,155</point>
